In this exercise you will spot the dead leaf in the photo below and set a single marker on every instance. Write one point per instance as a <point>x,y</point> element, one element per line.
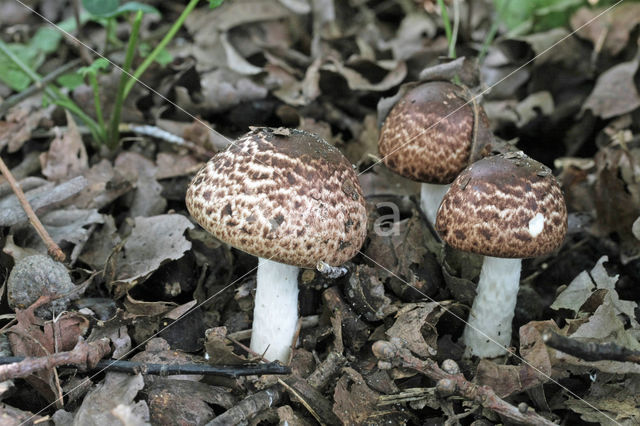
<point>606,401</point>
<point>67,156</point>
<point>365,292</point>
<point>218,348</point>
<point>614,26</point>
<point>116,389</point>
<point>147,199</point>
<point>101,244</point>
<point>415,326</point>
<point>396,72</point>
<point>105,184</point>
<point>191,402</point>
<point>171,165</point>
<point>354,402</point>
<point>21,121</point>
<point>153,241</point>
<point>615,92</point>
<point>406,249</point>
<point>72,226</point>
<point>507,380</point>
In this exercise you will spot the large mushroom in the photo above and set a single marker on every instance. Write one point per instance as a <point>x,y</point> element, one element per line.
<point>430,135</point>
<point>292,200</point>
<point>506,207</point>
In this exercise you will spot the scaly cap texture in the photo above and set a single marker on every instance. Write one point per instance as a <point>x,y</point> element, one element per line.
<point>508,205</point>
<point>284,195</point>
<point>429,135</point>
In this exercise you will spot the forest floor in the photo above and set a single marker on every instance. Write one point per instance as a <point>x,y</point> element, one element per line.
<point>141,281</point>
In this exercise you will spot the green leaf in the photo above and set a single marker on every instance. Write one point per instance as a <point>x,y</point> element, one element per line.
<point>215,3</point>
<point>163,57</point>
<point>70,81</point>
<point>101,7</point>
<point>523,16</point>
<point>134,6</point>
<point>97,65</point>
<point>47,39</point>
<point>11,74</point>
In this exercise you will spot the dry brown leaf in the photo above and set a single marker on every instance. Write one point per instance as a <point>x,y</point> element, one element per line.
<point>67,156</point>
<point>153,241</point>
<point>354,401</point>
<point>415,326</point>
<point>615,26</point>
<point>116,389</point>
<point>20,123</point>
<point>615,92</point>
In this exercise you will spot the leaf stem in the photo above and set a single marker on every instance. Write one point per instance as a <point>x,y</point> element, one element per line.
<point>114,134</point>
<point>163,43</point>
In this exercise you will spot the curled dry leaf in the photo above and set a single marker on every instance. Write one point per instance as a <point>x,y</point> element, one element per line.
<point>507,380</point>
<point>218,347</point>
<point>354,402</point>
<point>20,122</point>
<point>147,199</point>
<point>605,401</point>
<point>153,240</point>
<point>192,402</point>
<point>104,185</point>
<point>617,197</point>
<point>116,390</point>
<point>416,326</point>
<point>365,292</point>
<point>71,226</point>
<point>615,26</point>
<point>406,249</point>
<point>586,283</point>
<point>67,156</point>
<point>615,92</point>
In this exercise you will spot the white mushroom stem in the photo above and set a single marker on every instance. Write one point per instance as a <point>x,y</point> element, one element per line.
<point>431,196</point>
<point>275,315</point>
<point>488,330</point>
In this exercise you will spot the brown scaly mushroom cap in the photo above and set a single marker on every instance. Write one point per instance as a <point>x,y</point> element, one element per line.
<point>508,205</point>
<point>284,195</point>
<point>441,152</point>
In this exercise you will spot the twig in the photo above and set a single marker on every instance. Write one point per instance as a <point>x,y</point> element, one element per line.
<point>85,355</point>
<point>52,247</point>
<point>590,351</point>
<point>326,371</point>
<point>396,354</point>
<point>249,407</point>
<point>162,369</point>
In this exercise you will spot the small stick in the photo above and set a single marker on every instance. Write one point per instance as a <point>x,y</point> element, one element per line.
<point>53,249</point>
<point>83,355</point>
<point>18,364</point>
<point>485,396</point>
<point>590,351</point>
<point>249,407</point>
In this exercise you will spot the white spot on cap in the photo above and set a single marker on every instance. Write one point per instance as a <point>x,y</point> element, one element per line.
<point>536,225</point>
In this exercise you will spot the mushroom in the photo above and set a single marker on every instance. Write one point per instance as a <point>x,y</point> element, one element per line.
<point>506,207</point>
<point>292,200</point>
<point>430,135</point>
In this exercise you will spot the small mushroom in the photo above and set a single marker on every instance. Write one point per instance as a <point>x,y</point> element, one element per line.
<point>430,135</point>
<point>503,208</point>
<point>291,199</point>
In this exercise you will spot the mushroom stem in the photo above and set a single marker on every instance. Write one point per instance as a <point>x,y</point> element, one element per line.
<point>275,315</point>
<point>431,196</point>
<point>488,329</point>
